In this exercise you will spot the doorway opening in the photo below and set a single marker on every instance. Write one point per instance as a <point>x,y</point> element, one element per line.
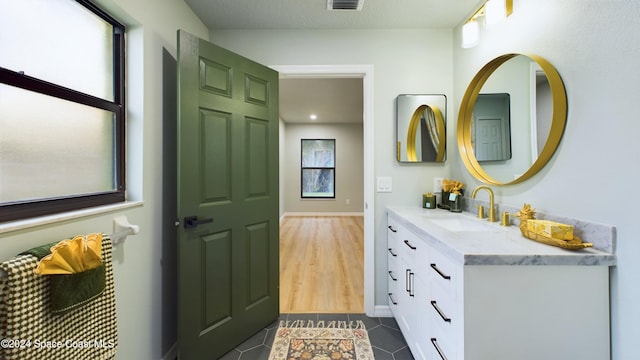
<point>364,72</point>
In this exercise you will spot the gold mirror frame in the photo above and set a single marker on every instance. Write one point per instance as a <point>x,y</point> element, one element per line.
<point>558,121</point>
<point>438,140</point>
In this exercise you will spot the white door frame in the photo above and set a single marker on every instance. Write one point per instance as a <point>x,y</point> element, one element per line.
<point>365,72</point>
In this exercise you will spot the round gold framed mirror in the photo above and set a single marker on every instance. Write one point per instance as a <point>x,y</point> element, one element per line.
<point>532,129</point>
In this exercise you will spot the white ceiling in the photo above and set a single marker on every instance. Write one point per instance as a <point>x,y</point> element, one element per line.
<point>333,100</point>
<point>313,14</point>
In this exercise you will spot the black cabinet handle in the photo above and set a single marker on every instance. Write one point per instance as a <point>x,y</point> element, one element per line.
<point>392,229</point>
<point>191,222</point>
<point>392,277</point>
<point>434,341</point>
<point>392,253</point>
<point>392,300</point>
<point>442,315</point>
<point>444,276</point>
<point>409,245</point>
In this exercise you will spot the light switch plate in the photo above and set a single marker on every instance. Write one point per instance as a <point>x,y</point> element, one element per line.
<point>437,185</point>
<point>384,184</point>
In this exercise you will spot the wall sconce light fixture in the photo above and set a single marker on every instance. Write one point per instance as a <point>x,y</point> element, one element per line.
<point>470,34</point>
<point>493,12</point>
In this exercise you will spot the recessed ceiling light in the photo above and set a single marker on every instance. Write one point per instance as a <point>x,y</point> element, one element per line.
<point>313,117</point>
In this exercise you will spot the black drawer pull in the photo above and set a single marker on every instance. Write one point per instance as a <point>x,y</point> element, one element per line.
<point>444,276</point>
<point>409,245</point>
<point>434,341</point>
<point>392,300</point>
<point>392,229</point>
<point>442,315</point>
<point>392,277</point>
<point>391,252</point>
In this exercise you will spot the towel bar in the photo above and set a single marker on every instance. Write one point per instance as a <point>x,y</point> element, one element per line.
<point>121,229</point>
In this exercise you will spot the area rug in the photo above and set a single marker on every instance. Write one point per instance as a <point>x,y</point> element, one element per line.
<point>332,340</point>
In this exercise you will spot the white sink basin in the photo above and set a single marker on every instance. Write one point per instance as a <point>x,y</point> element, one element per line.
<point>462,224</point>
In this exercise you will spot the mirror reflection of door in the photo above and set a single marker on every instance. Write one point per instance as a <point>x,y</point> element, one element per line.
<point>491,118</point>
<point>543,109</point>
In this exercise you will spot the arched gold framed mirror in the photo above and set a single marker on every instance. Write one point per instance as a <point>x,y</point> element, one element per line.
<point>490,172</point>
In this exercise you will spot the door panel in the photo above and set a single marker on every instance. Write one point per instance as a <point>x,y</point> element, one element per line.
<point>257,158</point>
<point>228,177</point>
<point>215,250</point>
<point>216,156</point>
<point>257,265</point>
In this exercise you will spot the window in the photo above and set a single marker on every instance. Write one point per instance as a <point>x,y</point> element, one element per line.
<point>318,168</point>
<point>62,115</point>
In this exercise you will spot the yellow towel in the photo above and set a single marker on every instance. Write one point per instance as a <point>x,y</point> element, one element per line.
<point>72,256</point>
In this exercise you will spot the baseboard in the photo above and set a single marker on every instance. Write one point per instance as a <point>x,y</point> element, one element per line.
<point>292,214</point>
<point>382,311</point>
<point>172,354</point>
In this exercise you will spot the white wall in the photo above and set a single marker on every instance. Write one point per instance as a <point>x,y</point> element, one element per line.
<point>404,61</point>
<point>152,26</point>
<point>595,46</point>
<point>349,182</point>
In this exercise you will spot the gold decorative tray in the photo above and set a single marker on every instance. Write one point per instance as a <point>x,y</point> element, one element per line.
<point>573,244</point>
<point>528,213</point>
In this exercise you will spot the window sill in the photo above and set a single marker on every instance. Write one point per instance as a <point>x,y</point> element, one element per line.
<point>71,215</point>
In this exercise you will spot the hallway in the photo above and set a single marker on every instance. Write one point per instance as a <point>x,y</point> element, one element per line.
<point>322,264</point>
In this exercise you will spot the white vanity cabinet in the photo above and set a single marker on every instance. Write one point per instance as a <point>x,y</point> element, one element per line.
<point>407,283</point>
<point>448,309</point>
<point>402,276</point>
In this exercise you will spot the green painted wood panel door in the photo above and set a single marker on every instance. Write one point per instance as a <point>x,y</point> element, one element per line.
<point>228,178</point>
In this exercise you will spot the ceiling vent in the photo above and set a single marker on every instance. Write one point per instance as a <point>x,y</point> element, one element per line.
<point>345,5</point>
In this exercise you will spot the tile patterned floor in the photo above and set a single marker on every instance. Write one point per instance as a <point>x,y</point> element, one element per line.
<point>386,340</point>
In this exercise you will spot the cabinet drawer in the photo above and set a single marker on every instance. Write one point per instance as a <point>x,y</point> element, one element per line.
<point>393,303</point>
<point>392,280</point>
<point>442,313</point>
<point>392,231</point>
<point>440,349</point>
<point>443,274</point>
<point>408,245</point>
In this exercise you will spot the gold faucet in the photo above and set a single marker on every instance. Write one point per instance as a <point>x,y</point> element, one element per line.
<point>492,210</point>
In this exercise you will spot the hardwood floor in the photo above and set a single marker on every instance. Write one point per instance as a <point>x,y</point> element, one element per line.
<point>322,264</point>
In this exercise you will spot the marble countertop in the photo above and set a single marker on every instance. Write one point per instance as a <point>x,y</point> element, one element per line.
<point>490,243</point>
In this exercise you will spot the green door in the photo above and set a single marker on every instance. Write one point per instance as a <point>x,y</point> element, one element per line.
<point>227,198</point>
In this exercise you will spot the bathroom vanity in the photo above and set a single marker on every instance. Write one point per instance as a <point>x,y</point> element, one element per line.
<point>461,288</point>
